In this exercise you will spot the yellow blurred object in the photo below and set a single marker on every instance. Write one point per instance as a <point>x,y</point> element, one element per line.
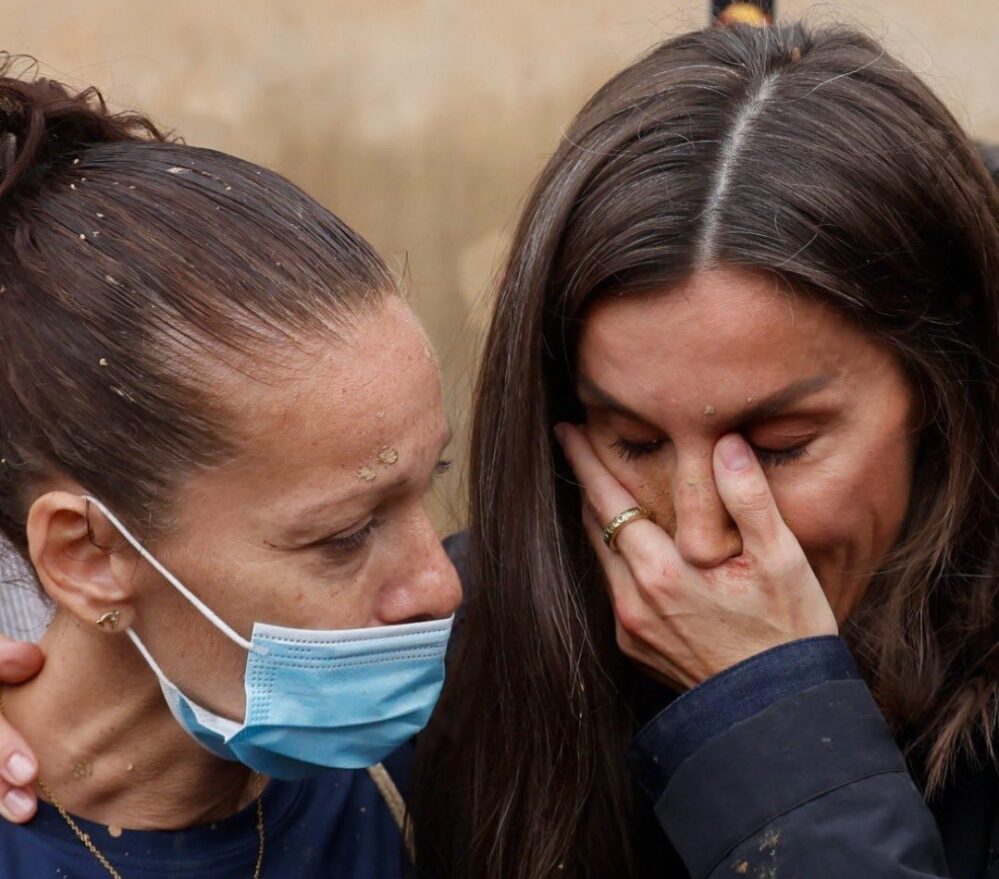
<point>744,13</point>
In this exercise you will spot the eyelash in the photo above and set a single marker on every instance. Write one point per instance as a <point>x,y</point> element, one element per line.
<point>767,457</point>
<point>355,540</point>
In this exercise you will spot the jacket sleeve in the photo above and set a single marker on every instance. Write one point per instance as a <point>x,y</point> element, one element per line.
<point>783,766</point>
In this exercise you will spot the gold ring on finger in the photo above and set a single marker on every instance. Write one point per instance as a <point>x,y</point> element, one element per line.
<point>619,521</point>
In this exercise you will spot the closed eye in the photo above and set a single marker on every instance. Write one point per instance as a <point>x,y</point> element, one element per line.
<point>630,451</point>
<point>779,457</point>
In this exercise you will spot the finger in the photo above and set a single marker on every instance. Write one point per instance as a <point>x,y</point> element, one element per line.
<point>19,661</point>
<point>17,805</point>
<point>640,542</point>
<point>615,567</point>
<point>602,490</point>
<point>744,490</point>
<point>631,610</point>
<point>18,766</point>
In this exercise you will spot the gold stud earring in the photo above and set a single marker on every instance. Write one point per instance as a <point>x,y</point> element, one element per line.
<point>109,620</point>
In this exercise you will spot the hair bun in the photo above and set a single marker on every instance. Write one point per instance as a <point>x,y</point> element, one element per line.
<point>43,122</point>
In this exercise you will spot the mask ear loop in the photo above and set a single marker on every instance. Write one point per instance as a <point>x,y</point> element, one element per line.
<point>212,617</point>
<point>222,726</point>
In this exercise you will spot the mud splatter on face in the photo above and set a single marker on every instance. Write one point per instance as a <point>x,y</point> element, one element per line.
<point>709,410</point>
<point>388,456</point>
<point>366,473</point>
<point>83,769</point>
<point>658,499</point>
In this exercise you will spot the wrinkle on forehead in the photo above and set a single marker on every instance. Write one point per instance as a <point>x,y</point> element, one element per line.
<point>722,341</point>
<point>342,405</point>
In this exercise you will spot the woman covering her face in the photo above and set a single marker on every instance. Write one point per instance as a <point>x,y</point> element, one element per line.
<point>754,294</point>
<point>219,422</point>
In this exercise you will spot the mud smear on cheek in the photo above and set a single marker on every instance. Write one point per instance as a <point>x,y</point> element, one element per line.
<point>658,498</point>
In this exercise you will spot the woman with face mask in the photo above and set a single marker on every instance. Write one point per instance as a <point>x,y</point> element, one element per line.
<point>734,487</point>
<point>219,421</point>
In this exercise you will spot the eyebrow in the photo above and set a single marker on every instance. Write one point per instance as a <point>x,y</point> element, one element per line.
<point>591,393</point>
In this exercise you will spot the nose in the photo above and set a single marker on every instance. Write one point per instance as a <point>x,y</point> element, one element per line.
<point>425,585</point>
<point>705,534</point>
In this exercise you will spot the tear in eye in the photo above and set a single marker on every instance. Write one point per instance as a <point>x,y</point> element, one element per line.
<point>629,451</point>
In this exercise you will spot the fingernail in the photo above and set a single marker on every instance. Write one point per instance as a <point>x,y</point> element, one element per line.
<point>20,768</point>
<point>18,803</point>
<point>734,453</point>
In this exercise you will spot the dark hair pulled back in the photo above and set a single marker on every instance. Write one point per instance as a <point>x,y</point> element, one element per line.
<point>129,264</point>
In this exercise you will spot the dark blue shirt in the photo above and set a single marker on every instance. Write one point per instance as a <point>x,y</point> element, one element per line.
<point>333,825</point>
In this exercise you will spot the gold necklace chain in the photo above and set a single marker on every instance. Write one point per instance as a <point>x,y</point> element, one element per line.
<point>84,837</point>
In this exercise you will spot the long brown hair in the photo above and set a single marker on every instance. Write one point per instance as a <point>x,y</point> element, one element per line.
<point>128,265</point>
<point>817,157</point>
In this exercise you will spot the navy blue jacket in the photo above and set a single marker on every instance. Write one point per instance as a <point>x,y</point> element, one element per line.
<point>782,766</point>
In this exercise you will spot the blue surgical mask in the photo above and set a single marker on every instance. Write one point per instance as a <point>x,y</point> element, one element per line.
<point>314,699</point>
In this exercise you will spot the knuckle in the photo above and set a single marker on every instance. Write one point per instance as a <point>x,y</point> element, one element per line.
<point>629,617</point>
<point>17,663</point>
<point>657,576</point>
<point>754,499</point>
<point>649,580</point>
<point>626,644</point>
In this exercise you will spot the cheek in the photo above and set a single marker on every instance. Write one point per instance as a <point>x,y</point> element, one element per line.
<point>846,513</point>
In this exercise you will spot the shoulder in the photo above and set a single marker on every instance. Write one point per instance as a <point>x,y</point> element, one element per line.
<point>338,823</point>
<point>457,547</point>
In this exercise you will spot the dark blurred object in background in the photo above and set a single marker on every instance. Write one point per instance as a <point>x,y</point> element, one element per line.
<point>990,155</point>
<point>759,12</point>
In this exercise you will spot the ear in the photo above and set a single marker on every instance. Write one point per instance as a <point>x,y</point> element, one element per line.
<point>80,562</point>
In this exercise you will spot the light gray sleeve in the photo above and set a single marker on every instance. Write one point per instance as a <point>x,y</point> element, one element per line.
<point>24,610</point>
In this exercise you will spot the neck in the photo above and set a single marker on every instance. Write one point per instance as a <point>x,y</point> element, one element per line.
<point>108,747</point>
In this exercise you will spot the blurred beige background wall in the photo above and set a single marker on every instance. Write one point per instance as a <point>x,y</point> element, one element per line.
<point>422,122</point>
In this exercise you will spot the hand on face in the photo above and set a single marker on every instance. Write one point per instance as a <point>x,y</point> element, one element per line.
<point>685,622</point>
